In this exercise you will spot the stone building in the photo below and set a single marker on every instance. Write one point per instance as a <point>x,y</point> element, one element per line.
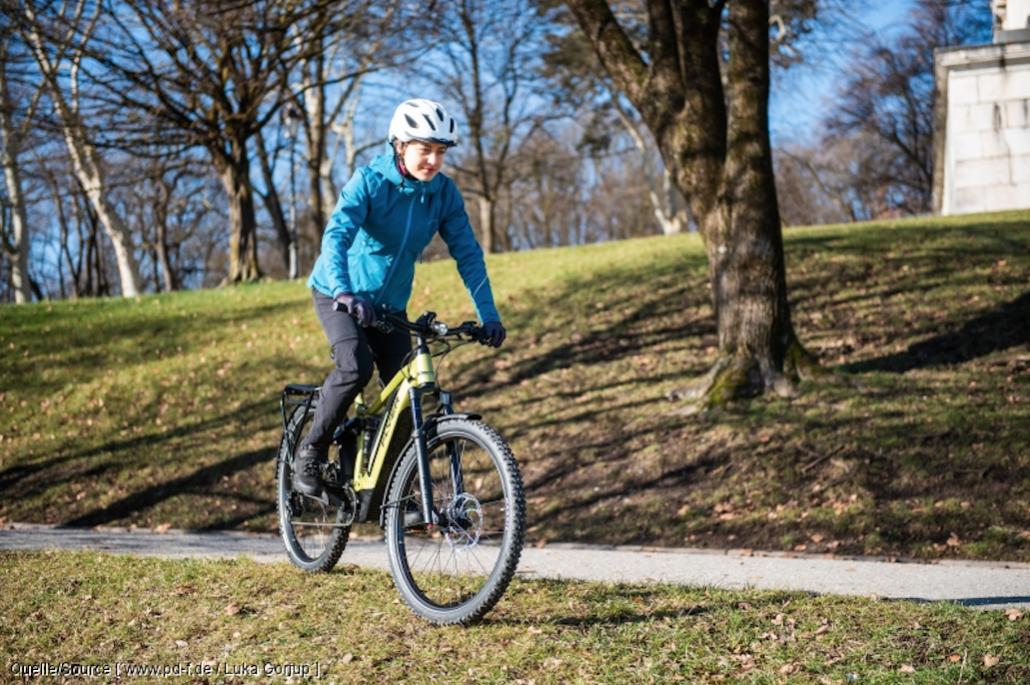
<point>982,119</point>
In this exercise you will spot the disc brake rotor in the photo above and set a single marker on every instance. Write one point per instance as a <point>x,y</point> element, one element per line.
<point>464,522</point>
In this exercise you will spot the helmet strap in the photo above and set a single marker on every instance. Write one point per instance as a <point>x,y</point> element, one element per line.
<point>398,155</point>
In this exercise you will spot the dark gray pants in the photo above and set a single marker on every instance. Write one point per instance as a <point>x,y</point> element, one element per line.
<point>354,351</point>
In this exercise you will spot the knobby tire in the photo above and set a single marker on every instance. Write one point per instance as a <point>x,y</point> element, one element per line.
<point>456,572</point>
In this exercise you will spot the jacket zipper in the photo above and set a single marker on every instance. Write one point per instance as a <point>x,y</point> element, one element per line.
<point>400,252</point>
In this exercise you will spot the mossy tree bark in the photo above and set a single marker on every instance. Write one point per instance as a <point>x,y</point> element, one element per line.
<point>710,121</point>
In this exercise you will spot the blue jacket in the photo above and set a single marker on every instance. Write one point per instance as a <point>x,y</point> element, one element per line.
<point>380,226</point>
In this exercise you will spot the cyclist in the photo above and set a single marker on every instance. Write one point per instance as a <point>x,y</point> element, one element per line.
<point>385,216</point>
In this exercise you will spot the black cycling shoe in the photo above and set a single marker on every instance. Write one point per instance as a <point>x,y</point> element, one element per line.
<point>307,471</point>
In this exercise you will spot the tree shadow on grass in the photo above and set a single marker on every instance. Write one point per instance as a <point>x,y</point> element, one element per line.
<point>19,473</point>
<point>626,319</point>
<point>995,330</point>
<point>200,482</point>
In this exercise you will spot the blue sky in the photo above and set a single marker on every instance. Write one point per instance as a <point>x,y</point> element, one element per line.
<point>802,95</point>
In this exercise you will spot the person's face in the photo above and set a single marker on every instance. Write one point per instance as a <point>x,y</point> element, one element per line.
<point>423,160</point>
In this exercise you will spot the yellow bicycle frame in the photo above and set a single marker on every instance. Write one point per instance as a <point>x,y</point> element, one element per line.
<point>420,374</point>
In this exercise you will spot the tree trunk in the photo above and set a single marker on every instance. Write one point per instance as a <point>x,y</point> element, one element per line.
<point>319,166</point>
<point>121,240</point>
<point>274,206</point>
<point>715,142</point>
<point>758,350</point>
<point>235,175</point>
<point>664,203</point>
<point>87,164</point>
<point>19,247</point>
<point>161,207</point>
<point>161,244</point>
<point>668,210</point>
<point>486,224</point>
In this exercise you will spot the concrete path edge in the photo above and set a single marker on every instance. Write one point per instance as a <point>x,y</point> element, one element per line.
<point>985,585</point>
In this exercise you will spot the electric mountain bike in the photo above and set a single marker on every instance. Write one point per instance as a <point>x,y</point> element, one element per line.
<point>443,485</point>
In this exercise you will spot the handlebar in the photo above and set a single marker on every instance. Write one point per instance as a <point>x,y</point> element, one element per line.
<point>427,326</point>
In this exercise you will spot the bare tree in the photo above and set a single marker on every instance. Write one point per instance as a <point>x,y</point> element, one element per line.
<point>486,63</point>
<point>212,75</point>
<point>668,207</point>
<point>712,129</point>
<point>59,44</point>
<point>888,102</point>
<point>159,197</point>
<point>18,104</point>
<point>583,87</point>
<point>81,250</point>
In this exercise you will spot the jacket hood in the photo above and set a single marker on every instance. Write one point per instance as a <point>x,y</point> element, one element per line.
<point>386,166</point>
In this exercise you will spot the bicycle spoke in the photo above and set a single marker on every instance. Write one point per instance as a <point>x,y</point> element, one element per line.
<point>459,566</point>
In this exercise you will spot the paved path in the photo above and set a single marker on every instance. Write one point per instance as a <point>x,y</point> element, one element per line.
<point>990,585</point>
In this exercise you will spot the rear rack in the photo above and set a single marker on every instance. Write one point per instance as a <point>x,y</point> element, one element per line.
<point>295,394</point>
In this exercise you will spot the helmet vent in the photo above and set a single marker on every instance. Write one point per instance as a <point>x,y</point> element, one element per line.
<point>423,120</point>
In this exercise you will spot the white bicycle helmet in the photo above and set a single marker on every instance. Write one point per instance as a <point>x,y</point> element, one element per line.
<point>423,120</point>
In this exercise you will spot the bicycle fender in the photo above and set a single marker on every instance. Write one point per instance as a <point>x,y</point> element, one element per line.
<point>430,427</point>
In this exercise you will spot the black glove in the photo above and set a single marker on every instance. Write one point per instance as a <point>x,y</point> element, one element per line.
<point>493,334</point>
<point>360,309</point>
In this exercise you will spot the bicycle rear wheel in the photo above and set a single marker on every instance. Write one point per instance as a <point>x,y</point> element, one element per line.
<point>315,532</point>
<point>455,572</point>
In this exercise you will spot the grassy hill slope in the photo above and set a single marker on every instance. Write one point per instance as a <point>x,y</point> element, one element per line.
<point>163,410</point>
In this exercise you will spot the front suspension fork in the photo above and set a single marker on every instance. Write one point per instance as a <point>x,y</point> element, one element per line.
<point>422,453</point>
<point>457,480</point>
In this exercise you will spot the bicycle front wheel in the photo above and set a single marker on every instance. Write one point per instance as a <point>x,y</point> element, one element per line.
<point>456,570</point>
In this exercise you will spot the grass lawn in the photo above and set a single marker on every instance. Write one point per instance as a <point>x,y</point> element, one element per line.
<point>163,410</point>
<point>349,626</point>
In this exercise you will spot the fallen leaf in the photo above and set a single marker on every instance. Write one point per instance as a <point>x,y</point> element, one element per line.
<point>990,661</point>
<point>954,658</point>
